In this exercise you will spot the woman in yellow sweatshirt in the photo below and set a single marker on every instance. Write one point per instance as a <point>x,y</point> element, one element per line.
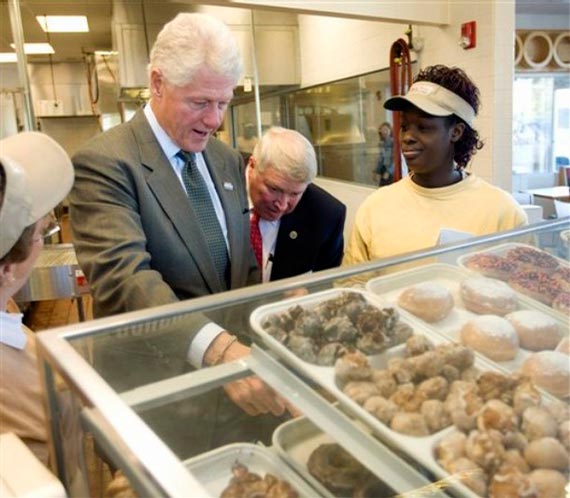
<point>437,140</point>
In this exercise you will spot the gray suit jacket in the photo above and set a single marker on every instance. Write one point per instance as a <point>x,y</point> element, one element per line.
<point>136,236</point>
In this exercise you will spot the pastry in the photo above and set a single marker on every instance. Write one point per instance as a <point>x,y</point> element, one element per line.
<point>548,483</point>
<point>564,346</point>
<point>488,296</point>
<point>532,259</point>
<point>537,422</point>
<point>498,416</point>
<point>561,303</point>
<point>492,336</point>
<point>510,482</point>
<point>429,301</point>
<point>491,265</point>
<point>536,284</point>
<point>382,408</point>
<point>245,483</point>
<point>469,473</point>
<point>412,424</point>
<point>537,331</point>
<point>549,370</point>
<point>547,453</point>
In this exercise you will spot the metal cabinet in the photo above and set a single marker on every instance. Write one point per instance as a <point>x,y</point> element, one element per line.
<point>118,384</point>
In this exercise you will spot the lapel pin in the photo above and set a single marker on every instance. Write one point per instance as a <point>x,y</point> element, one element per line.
<point>228,186</point>
<point>293,234</point>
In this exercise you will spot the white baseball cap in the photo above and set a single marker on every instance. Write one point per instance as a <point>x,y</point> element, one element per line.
<point>433,99</point>
<point>39,174</point>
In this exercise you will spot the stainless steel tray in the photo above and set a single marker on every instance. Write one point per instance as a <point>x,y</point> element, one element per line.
<point>213,469</point>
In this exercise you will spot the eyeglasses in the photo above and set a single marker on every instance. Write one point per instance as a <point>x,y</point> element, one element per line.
<point>51,228</point>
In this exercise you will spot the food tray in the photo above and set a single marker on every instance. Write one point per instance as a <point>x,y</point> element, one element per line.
<point>390,286</point>
<point>296,440</point>
<point>419,448</point>
<point>213,469</point>
<point>311,370</point>
<point>501,250</point>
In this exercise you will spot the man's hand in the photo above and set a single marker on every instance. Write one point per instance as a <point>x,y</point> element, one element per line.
<point>251,394</point>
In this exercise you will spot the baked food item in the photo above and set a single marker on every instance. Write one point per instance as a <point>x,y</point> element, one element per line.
<point>562,302</point>
<point>549,370</point>
<point>564,346</point>
<point>245,483</point>
<point>547,453</point>
<point>492,336</point>
<point>429,301</point>
<point>548,483</point>
<point>537,331</point>
<point>562,275</point>
<point>536,284</point>
<point>531,258</point>
<point>485,296</point>
<point>491,265</point>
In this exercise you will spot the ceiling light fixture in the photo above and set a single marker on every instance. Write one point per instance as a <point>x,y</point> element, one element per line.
<point>63,24</point>
<point>36,48</point>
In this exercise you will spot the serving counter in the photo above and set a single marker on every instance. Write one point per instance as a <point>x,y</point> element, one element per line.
<point>123,382</point>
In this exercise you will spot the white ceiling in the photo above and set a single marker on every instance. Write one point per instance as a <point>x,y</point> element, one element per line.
<point>70,47</point>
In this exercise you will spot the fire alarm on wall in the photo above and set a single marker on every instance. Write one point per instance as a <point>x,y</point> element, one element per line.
<point>468,35</point>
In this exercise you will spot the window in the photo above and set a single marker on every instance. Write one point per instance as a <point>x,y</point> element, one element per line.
<point>541,122</point>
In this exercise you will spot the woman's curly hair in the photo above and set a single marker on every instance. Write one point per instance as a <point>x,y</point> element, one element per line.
<point>457,81</point>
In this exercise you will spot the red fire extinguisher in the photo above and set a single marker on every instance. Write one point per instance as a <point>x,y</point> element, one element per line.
<point>400,81</point>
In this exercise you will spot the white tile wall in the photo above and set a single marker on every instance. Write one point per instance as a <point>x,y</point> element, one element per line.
<point>334,48</point>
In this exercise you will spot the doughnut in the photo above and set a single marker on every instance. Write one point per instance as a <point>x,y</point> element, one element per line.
<point>536,284</point>
<point>538,422</point>
<point>549,483</point>
<point>429,301</point>
<point>562,275</point>
<point>510,482</point>
<point>491,265</point>
<point>492,336</point>
<point>485,296</point>
<point>336,469</point>
<point>549,370</point>
<point>562,303</point>
<point>532,259</point>
<point>547,453</point>
<point>537,331</point>
<point>247,484</point>
<point>564,346</point>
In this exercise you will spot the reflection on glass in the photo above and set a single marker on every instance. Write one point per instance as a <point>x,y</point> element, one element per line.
<point>340,118</point>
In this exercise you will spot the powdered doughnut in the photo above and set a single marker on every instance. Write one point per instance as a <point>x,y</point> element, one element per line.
<point>536,330</point>
<point>492,336</point>
<point>429,301</point>
<point>484,296</point>
<point>549,370</point>
<point>491,265</point>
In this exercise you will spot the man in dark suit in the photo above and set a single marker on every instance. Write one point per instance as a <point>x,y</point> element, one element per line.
<point>156,198</point>
<point>300,225</point>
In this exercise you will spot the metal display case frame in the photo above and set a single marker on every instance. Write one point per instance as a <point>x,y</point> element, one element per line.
<point>81,402</point>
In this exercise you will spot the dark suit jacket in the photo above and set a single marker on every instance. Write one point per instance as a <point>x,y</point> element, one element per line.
<point>311,237</point>
<point>135,234</point>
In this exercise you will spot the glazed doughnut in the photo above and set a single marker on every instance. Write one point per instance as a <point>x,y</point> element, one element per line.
<point>562,302</point>
<point>491,265</point>
<point>537,331</point>
<point>429,301</point>
<point>532,259</point>
<point>536,284</point>
<point>488,296</point>
<point>336,469</point>
<point>549,370</point>
<point>492,336</point>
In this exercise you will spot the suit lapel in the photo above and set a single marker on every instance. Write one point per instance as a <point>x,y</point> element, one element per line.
<point>170,194</point>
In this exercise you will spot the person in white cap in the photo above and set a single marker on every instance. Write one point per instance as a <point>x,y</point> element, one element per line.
<point>35,175</point>
<point>438,139</point>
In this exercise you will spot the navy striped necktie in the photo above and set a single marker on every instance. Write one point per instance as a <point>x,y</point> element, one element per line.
<point>203,207</point>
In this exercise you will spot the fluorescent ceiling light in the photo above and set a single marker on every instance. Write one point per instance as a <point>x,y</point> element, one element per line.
<point>6,57</point>
<point>63,24</point>
<point>36,48</point>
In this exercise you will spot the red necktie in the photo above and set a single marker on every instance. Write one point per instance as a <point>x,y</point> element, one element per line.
<point>255,238</point>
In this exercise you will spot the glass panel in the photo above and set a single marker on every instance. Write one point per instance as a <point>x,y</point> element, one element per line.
<point>340,118</point>
<point>541,122</point>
